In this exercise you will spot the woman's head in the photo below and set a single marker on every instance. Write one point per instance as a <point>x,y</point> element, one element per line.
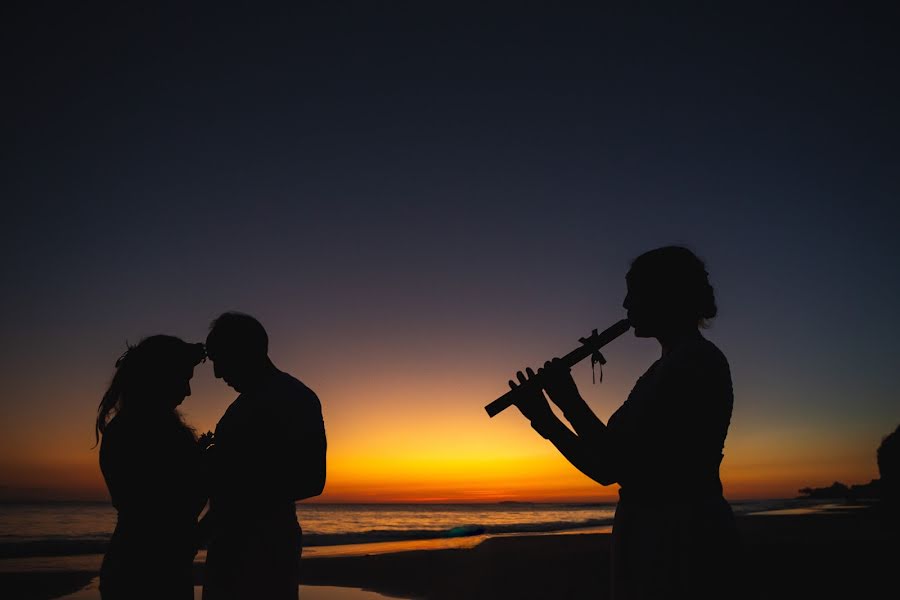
<point>668,291</point>
<point>152,377</point>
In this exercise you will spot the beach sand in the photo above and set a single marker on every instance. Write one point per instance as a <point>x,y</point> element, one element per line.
<point>830,555</point>
<point>835,554</point>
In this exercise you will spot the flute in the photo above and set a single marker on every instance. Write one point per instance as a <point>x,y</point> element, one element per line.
<point>589,345</point>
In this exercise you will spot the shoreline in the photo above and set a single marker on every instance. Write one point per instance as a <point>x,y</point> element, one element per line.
<point>90,563</point>
<point>330,543</point>
<point>827,554</point>
<point>788,554</point>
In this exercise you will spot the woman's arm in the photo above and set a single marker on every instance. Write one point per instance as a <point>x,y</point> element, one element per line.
<point>563,392</point>
<point>587,451</point>
<point>590,458</point>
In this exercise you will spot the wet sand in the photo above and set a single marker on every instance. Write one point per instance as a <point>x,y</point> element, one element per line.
<point>836,554</point>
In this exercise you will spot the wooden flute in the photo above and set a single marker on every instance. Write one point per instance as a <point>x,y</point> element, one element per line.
<point>589,345</point>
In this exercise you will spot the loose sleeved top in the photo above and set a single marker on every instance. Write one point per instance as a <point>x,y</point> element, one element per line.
<point>668,436</point>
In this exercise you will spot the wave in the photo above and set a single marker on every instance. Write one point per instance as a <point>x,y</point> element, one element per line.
<point>62,546</point>
<point>385,535</point>
<point>96,542</point>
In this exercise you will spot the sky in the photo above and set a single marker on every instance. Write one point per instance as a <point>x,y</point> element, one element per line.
<point>419,201</point>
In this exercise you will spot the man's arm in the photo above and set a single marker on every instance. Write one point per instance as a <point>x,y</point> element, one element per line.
<point>310,451</point>
<point>275,451</point>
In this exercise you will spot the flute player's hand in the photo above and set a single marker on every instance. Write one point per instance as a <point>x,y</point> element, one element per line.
<point>559,385</point>
<point>531,401</point>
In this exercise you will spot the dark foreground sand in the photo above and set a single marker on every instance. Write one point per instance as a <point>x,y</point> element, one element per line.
<point>850,554</point>
<point>844,554</point>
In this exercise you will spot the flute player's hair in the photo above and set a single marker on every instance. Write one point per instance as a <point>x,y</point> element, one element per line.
<point>683,276</point>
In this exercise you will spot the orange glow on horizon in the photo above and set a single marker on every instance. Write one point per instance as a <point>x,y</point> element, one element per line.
<point>422,443</point>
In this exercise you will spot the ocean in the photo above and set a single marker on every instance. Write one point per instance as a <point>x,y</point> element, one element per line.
<point>72,529</point>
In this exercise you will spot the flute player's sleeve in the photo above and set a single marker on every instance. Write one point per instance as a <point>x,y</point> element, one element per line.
<point>692,415</point>
<point>629,438</point>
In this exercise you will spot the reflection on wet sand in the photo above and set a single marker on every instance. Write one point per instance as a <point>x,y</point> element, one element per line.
<point>307,592</point>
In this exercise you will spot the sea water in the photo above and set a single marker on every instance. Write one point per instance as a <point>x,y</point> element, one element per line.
<point>72,528</point>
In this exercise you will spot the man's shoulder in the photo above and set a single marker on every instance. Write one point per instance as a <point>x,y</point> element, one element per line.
<point>288,387</point>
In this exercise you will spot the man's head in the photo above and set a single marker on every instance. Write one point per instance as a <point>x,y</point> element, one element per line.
<point>239,348</point>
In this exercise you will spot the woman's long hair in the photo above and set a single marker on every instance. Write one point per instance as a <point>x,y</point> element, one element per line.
<point>139,373</point>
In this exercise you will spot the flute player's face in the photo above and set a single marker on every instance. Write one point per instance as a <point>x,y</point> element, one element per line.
<point>641,303</point>
<point>655,307</point>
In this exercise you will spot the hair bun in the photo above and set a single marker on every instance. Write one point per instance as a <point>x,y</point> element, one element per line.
<point>683,276</point>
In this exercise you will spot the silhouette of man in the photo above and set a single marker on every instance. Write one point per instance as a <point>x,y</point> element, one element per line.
<point>268,452</point>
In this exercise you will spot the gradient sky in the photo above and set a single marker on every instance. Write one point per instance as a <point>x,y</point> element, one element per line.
<point>416,204</point>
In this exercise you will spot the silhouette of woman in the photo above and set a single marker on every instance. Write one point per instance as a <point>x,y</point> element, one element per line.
<point>673,534</point>
<point>151,462</point>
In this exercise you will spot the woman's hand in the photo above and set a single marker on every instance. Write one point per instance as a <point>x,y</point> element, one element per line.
<point>530,400</point>
<point>559,385</point>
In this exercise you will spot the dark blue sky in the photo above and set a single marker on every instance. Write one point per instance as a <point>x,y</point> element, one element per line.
<point>446,185</point>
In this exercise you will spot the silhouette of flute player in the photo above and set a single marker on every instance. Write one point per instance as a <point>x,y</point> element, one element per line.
<point>673,534</point>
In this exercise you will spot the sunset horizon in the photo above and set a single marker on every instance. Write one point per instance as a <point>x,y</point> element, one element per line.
<point>426,466</point>
<point>362,223</point>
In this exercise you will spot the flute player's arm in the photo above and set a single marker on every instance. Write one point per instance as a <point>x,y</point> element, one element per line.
<point>586,456</point>
<point>587,452</point>
<point>561,388</point>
